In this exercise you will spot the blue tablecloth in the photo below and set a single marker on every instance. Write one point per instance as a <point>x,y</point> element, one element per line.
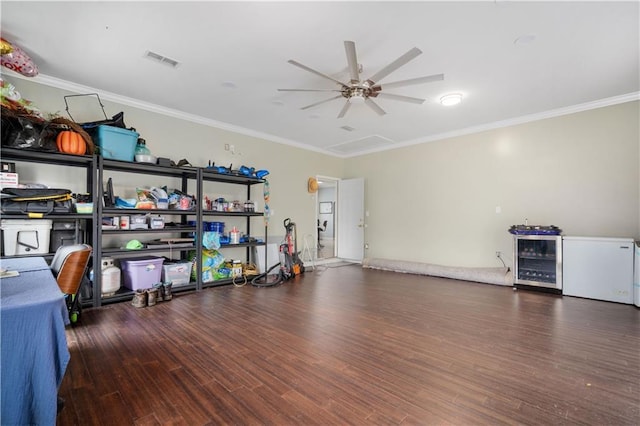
<point>24,264</point>
<point>34,349</point>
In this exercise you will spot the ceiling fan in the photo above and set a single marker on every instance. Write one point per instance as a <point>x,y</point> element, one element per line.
<point>361,91</point>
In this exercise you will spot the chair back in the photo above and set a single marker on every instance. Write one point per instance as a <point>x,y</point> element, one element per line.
<point>69,265</point>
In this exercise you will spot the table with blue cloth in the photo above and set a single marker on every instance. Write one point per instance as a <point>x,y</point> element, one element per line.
<point>34,350</point>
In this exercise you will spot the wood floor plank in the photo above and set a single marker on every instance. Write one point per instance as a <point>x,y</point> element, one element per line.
<point>114,410</point>
<point>353,346</point>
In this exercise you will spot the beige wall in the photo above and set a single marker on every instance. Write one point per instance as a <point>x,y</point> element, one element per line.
<point>436,202</point>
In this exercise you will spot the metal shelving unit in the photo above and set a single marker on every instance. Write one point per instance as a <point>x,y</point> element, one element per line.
<point>86,162</point>
<point>208,175</point>
<point>96,169</point>
<point>105,166</point>
<point>185,174</point>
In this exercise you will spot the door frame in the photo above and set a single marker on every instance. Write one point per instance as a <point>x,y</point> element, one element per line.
<point>336,181</point>
<point>350,238</point>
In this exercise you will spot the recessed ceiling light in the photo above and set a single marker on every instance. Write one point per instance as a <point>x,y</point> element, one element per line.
<point>451,99</point>
<point>229,85</point>
<point>525,39</point>
<point>278,103</point>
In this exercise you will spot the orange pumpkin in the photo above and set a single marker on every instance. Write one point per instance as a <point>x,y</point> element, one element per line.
<point>71,142</point>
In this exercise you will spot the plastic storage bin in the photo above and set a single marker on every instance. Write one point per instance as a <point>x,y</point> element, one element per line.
<point>116,143</point>
<point>64,233</point>
<point>215,227</point>
<point>25,236</point>
<point>141,272</point>
<point>177,273</point>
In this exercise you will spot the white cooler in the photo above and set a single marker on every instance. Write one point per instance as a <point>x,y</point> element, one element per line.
<point>636,277</point>
<point>22,236</point>
<point>598,268</point>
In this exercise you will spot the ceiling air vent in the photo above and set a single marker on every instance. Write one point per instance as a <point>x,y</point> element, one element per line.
<point>372,142</point>
<point>162,59</point>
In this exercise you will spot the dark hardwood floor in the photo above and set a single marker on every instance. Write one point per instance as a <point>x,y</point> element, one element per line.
<point>347,345</point>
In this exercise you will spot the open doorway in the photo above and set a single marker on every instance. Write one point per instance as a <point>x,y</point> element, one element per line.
<point>326,210</point>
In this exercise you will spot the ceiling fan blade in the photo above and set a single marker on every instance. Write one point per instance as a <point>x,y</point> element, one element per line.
<point>401,98</point>
<point>306,68</point>
<point>374,106</point>
<point>344,109</point>
<point>394,65</point>
<point>309,90</point>
<point>352,60</point>
<point>419,80</point>
<point>321,102</point>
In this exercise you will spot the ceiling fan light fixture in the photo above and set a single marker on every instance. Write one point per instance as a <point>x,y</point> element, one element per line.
<point>362,91</point>
<point>357,99</point>
<point>451,99</point>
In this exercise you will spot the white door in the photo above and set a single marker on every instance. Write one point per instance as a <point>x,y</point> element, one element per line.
<point>350,219</point>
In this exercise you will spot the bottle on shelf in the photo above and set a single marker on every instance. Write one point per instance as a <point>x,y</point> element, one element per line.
<point>141,147</point>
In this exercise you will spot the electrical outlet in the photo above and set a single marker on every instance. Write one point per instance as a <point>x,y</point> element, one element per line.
<point>498,254</point>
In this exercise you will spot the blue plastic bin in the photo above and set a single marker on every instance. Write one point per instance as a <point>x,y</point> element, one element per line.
<point>116,143</point>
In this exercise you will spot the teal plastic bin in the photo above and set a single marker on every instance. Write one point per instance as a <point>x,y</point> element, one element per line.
<point>116,143</point>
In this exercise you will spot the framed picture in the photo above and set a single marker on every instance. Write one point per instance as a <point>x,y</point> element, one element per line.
<point>326,207</point>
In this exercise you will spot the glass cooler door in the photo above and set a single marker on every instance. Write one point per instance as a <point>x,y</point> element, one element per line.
<point>538,260</point>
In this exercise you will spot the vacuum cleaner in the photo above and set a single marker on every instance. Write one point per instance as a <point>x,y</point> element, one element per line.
<point>290,263</point>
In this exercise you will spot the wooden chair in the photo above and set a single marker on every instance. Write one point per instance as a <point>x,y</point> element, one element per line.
<point>69,265</point>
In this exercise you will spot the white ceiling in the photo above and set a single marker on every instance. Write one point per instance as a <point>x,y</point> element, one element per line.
<point>585,54</point>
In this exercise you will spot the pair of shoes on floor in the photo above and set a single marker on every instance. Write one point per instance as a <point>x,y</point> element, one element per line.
<point>164,291</point>
<point>149,297</point>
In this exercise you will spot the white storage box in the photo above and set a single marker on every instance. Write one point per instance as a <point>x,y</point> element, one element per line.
<point>21,236</point>
<point>8,180</point>
<point>177,273</point>
<point>141,272</point>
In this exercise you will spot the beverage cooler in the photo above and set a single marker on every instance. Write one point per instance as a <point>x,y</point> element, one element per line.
<point>537,261</point>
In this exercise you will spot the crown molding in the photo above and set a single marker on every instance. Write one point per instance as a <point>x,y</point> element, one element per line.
<point>614,100</point>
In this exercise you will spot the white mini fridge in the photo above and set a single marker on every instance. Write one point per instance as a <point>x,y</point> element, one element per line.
<point>598,268</point>
<point>636,279</point>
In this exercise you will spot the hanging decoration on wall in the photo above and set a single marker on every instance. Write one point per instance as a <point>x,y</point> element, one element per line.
<point>312,185</point>
<point>267,210</point>
<point>17,59</point>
